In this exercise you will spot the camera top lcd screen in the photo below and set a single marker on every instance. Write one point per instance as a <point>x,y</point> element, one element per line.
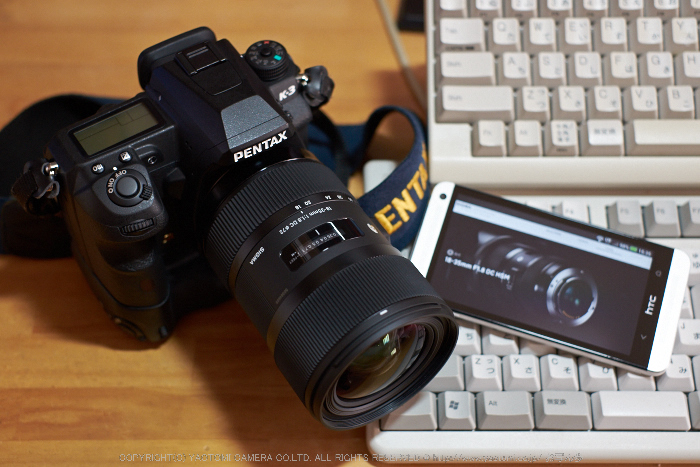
<point>115,129</point>
<point>550,276</point>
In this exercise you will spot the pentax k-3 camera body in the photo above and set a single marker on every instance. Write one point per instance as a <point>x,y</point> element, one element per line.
<point>201,188</point>
<point>137,176</point>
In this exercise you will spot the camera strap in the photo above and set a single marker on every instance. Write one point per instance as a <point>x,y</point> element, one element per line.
<point>397,204</point>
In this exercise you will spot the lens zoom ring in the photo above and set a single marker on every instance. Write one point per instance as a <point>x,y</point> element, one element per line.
<point>269,191</point>
<point>339,305</point>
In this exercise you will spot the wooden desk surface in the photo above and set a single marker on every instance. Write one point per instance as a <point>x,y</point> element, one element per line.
<point>75,390</point>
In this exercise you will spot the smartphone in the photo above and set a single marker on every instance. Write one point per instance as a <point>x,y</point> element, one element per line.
<point>534,274</point>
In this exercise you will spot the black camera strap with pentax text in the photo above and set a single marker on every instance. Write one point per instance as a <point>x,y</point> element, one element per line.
<point>397,204</point>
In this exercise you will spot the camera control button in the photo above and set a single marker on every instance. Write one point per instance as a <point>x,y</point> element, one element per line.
<point>127,186</point>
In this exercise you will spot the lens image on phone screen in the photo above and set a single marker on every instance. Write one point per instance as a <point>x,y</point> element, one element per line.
<point>548,276</point>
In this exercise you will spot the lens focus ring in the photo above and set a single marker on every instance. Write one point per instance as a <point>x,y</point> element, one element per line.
<point>265,194</point>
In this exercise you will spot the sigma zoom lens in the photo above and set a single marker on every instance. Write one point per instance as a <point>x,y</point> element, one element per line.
<point>353,326</point>
<point>539,283</point>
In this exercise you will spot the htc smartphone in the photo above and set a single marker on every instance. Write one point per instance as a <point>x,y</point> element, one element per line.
<point>530,273</point>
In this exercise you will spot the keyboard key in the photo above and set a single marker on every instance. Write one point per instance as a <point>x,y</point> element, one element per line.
<point>676,102</point>
<point>688,337</point>
<point>610,35</point>
<point>451,8</point>
<point>504,36</point>
<point>489,138</point>
<point>485,9</point>
<point>504,410</point>
<point>646,35</point>
<point>620,69</point>
<point>450,377</point>
<point>664,9</point>
<point>569,103</point>
<point>540,35</point>
<point>643,410</point>
<point>563,410</point>
<point>498,342</point>
<point>514,69</point>
<point>640,102</point>
<point>467,68</point>
<point>521,373</point>
<point>521,9</point>
<point>473,103</point>
<point>561,138</point>
<point>605,102</point>
<point>627,8</point>
<point>690,218</point>
<point>686,306</point>
<point>628,381</point>
<point>573,209</point>
<point>694,276</point>
<point>557,9</point>
<point>468,340</point>
<point>419,413</point>
<point>626,217</point>
<point>533,103</point>
<point>593,9</point>
<point>575,35</point>
<point>681,34</point>
<point>483,373</point>
<point>456,410</point>
<point>656,69</point>
<point>559,372</point>
<point>687,68</point>
<point>594,376</point>
<point>694,407</point>
<point>602,138</point>
<point>525,138</point>
<point>690,8</point>
<point>528,347</point>
<point>462,34</point>
<point>679,137</point>
<point>661,219</point>
<point>696,370</point>
<point>678,376</point>
<point>549,69</point>
<point>585,69</point>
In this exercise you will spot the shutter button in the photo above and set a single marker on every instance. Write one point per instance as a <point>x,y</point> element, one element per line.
<point>128,187</point>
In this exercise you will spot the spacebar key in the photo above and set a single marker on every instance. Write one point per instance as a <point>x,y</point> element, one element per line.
<point>472,103</point>
<point>640,410</point>
<point>679,137</point>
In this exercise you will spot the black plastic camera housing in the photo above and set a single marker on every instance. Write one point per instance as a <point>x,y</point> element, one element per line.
<point>132,192</point>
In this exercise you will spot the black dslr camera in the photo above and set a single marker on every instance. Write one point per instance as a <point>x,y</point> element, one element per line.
<point>201,186</point>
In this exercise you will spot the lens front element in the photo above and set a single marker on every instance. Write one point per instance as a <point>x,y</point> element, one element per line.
<point>382,363</point>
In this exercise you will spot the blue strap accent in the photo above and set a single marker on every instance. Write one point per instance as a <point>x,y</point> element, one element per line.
<point>398,203</point>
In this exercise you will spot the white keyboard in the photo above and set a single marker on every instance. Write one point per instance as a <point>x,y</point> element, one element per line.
<point>500,398</point>
<point>563,93</point>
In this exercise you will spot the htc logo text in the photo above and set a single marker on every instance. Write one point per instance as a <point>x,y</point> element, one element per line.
<point>651,305</point>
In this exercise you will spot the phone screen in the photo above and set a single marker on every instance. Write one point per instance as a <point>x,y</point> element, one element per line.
<point>550,277</point>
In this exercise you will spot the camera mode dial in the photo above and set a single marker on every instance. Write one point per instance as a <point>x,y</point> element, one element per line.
<point>128,187</point>
<point>269,59</point>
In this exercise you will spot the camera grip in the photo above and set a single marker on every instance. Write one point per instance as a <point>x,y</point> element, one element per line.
<point>117,228</point>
